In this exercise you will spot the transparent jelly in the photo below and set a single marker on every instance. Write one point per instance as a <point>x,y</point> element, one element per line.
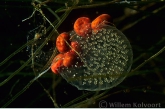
<point>106,56</point>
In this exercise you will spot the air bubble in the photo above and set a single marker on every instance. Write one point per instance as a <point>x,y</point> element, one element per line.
<point>97,36</point>
<point>124,46</point>
<point>101,82</point>
<point>95,81</point>
<point>100,34</point>
<point>90,81</point>
<point>84,83</point>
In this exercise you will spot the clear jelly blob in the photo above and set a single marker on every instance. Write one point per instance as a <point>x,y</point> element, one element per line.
<point>42,56</point>
<point>106,56</point>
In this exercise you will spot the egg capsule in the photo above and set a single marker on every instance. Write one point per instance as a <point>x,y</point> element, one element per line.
<point>57,63</point>
<point>61,44</point>
<point>101,21</point>
<point>82,26</point>
<point>107,59</point>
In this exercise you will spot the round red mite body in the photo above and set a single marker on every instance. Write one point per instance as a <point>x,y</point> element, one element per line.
<point>100,21</point>
<point>57,63</point>
<point>82,26</point>
<point>69,58</point>
<point>61,44</point>
<point>75,46</point>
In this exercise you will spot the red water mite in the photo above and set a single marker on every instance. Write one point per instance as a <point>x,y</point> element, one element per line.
<point>75,46</point>
<point>61,44</point>
<point>82,26</point>
<point>70,58</point>
<point>57,63</point>
<point>101,21</point>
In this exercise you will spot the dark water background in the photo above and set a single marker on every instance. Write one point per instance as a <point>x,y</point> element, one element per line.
<point>146,33</point>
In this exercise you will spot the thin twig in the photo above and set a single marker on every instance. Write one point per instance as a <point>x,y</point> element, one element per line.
<point>88,6</point>
<point>152,57</point>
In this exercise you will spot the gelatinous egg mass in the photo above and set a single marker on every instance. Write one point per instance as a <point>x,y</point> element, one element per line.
<point>106,56</point>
